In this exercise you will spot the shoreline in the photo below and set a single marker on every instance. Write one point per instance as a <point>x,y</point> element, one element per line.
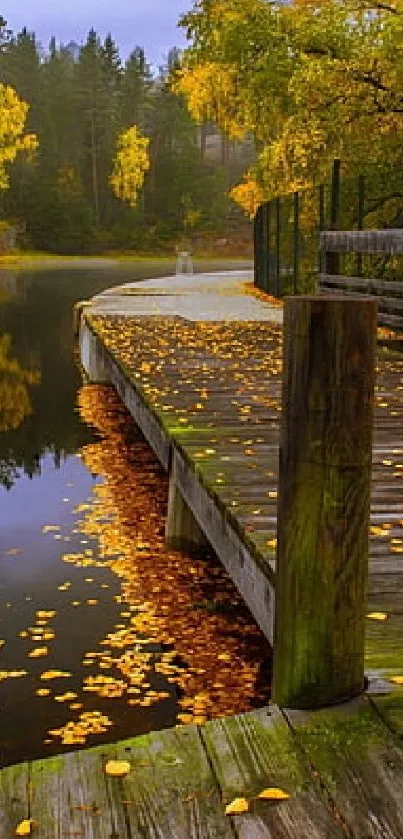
<point>102,261</point>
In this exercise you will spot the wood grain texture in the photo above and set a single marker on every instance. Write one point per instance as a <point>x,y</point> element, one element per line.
<point>390,708</point>
<point>324,500</point>
<point>256,751</point>
<point>360,764</point>
<point>363,241</point>
<point>171,791</point>
<point>14,798</point>
<point>69,797</point>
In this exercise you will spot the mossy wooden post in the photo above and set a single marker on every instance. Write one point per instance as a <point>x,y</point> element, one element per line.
<point>324,499</point>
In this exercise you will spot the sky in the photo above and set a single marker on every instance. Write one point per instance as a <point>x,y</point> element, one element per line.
<point>151,24</point>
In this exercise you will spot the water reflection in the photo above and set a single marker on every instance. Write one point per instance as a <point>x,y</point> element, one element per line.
<point>101,631</point>
<point>212,649</point>
<point>15,401</point>
<point>8,283</point>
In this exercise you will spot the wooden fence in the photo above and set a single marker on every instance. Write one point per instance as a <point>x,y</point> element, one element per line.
<point>389,293</point>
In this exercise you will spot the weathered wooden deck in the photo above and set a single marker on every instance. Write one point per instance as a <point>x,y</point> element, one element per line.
<point>342,770</point>
<point>206,394</point>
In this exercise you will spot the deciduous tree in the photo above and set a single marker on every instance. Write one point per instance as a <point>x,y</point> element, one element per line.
<point>13,115</point>
<point>130,165</point>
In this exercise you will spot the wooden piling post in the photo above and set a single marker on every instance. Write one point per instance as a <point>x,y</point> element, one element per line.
<point>182,531</point>
<point>324,499</point>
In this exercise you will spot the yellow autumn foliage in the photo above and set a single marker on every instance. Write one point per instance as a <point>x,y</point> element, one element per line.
<point>15,401</point>
<point>312,80</point>
<point>13,116</point>
<point>130,165</point>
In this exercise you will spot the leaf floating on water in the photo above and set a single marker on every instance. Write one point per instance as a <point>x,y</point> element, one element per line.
<point>117,768</point>
<point>55,674</point>
<point>237,806</point>
<point>64,586</point>
<point>43,614</point>
<point>12,674</point>
<point>377,616</point>
<point>273,794</point>
<point>13,552</point>
<point>50,528</point>
<point>66,697</point>
<point>38,652</point>
<point>42,692</point>
<point>397,680</point>
<point>26,827</point>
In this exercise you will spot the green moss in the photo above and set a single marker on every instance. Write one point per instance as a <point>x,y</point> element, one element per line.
<point>334,735</point>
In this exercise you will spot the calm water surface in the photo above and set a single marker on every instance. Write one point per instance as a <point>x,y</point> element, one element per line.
<point>54,610</point>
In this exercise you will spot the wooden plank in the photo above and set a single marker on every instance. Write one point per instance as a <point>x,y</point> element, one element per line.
<point>390,708</point>
<point>394,321</point>
<point>369,284</point>
<point>171,792</point>
<point>344,282</point>
<point>363,241</point>
<point>359,763</point>
<point>256,751</point>
<point>14,798</point>
<point>70,798</point>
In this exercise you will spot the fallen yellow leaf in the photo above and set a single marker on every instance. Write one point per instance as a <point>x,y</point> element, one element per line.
<point>397,680</point>
<point>117,768</point>
<point>66,697</point>
<point>38,652</point>
<point>273,794</point>
<point>238,805</point>
<point>377,616</point>
<point>55,674</point>
<point>25,828</point>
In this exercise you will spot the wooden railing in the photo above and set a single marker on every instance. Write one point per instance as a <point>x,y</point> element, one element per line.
<point>389,294</point>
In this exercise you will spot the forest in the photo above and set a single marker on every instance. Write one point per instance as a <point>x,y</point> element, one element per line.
<point>74,102</point>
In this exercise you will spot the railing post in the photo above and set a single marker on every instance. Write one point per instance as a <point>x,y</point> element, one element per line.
<point>278,234</point>
<point>360,219</point>
<point>296,243</point>
<point>333,259</point>
<point>322,221</point>
<point>265,247</point>
<point>324,499</point>
<point>269,254</point>
<point>257,246</point>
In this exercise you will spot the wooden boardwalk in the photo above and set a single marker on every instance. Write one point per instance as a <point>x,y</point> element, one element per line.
<point>342,770</point>
<point>206,393</point>
<point>214,390</point>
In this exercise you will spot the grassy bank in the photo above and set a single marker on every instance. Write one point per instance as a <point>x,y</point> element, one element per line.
<point>38,259</point>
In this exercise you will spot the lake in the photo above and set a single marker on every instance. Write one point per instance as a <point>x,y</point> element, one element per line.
<point>92,647</point>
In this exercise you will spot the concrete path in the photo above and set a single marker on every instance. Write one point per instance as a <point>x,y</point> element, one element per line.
<point>199,297</point>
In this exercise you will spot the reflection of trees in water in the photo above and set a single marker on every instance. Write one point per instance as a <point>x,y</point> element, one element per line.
<point>15,402</point>
<point>8,283</point>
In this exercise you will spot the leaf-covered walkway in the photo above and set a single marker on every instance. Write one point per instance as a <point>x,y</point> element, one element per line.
<point>211,385</point>
<point>214,388</point>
